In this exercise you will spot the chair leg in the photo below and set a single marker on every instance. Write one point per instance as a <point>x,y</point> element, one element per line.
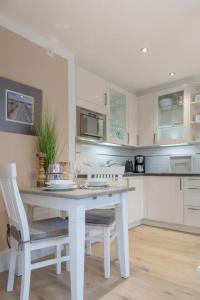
<point>26,272</point>
<point>12,266</point>
<point>107,252</point>
<point>67,262</point>
<point>88,248</point>
<point>58,254</point>
<point>116,248</point>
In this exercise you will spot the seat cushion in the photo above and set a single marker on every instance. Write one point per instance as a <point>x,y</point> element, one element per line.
<point>104,217</point>
<point>48,228</point>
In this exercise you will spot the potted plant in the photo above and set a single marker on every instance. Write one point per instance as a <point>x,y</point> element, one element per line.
<point>47,139</point>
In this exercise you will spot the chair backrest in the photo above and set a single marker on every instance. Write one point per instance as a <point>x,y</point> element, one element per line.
<point>111,174</point>
<point>12,200</point>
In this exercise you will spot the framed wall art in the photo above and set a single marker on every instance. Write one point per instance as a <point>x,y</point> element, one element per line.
<point>20,107</point>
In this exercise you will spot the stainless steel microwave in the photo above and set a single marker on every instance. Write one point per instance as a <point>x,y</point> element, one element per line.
<point>90,124</point>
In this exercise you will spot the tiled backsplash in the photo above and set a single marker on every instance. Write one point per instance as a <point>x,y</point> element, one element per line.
<point>157,159</point>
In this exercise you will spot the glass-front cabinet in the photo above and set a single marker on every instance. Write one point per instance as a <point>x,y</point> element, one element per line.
<point>195,112</point>
<point>172,117</point>
<point>116,116</point>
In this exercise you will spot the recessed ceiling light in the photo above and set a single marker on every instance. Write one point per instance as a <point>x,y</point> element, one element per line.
<point>172,74</point>
<point>144,50</point>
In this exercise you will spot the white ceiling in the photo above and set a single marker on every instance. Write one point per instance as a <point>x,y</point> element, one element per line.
<point>107,35</point>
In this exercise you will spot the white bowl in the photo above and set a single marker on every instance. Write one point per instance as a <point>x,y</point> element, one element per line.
<point>59,182</point>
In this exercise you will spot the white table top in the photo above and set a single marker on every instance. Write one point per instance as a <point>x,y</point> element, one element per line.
<point>77,193</point>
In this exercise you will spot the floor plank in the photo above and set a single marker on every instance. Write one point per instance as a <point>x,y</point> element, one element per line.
<point>163,267</point>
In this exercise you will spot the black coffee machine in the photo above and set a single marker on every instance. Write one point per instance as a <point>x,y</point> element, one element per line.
<point>139,164</point>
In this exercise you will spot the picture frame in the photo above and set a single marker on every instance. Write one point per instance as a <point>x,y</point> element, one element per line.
<point>20,107</point>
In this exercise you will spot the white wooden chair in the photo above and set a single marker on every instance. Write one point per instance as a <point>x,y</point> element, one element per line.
<point>26,237</point>
<point>100,223</point>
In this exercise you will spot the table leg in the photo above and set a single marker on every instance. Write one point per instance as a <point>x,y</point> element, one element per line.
<point>77,250</point>
<point>122,234</point>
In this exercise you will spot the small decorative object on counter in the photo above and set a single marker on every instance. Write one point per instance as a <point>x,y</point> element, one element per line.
<point>54,172</point>
<point>41,174</point>
<point>127,166</point>
<point>131,166</point>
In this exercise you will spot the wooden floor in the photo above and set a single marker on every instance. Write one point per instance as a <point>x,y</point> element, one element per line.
<point>163,265</point>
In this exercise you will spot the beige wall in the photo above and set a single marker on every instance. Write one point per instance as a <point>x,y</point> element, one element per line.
<point>25,62</point>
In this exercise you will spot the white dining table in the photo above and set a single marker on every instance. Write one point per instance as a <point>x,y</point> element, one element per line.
<point>76,202</point>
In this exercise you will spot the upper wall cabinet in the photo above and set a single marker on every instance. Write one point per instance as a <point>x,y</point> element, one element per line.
<point>121,116</point>
<point>90,91</point>
<point>194,112</point>
<point>146,120</point>
<point>117,118</point>
<point>132,120</point>
<point>171,116</point>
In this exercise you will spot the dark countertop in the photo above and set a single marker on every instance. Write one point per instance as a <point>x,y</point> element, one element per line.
<point>162,174</point>
<point>84,176</point>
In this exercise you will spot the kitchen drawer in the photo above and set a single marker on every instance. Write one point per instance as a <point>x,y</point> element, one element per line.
<point>192,216</point>
<point>192,181</point>
<point>192,195</point>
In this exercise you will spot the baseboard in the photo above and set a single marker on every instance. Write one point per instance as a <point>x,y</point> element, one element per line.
<point>134,224</point>
<point>171,226</point>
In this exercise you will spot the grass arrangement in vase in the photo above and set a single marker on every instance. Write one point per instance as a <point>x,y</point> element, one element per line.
<point>47,139</point>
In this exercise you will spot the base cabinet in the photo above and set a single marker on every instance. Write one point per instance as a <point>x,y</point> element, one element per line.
<point>192,216</point>
<point>192,201</point>
<point>164,199</point>
<point>173,201</point>
<point>135,201</point>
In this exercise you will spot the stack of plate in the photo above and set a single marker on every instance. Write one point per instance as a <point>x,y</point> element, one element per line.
<point>97,183</point>
<point>57,185</point>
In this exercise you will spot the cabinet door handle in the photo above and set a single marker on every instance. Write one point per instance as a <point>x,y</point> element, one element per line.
<point>105,96</point>
<point>193,179</point>
<point>154,138</point>
<point>193,188</point>
<point>137,136</point>
<point>180,184</point>
<point>128,137</point>
<point>195,209</point>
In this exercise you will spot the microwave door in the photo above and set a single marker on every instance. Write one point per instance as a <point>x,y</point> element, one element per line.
<point>91,126</point>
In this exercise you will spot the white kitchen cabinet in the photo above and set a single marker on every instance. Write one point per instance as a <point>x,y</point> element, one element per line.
<point>117,115</point>
<point>172,116</point>
<point>90,91</point>
<point>132,120</point>
<point>194,102</point>
<point>192,216</point>
<point>192,201</point>
<point>164,199</point>
<point>122,109</point>
<point>146,120</point>
<point>135,201</point>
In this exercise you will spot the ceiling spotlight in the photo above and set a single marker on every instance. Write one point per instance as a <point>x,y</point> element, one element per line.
<point>172,74</point>
<point>144,50</point>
